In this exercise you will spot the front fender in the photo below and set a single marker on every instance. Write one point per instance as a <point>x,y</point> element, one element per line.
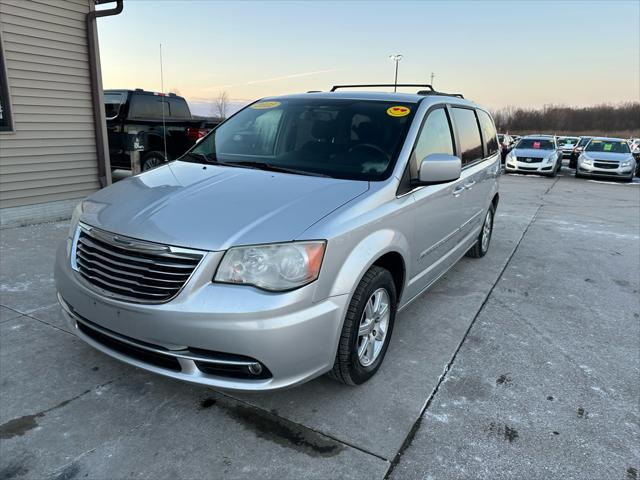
<point>364,254</point>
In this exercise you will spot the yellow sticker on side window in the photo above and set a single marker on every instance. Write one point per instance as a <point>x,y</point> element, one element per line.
<point>398,111</point>
<point>263,105</point>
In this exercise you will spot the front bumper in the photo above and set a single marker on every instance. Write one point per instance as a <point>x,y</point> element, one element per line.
<point>524,167</point>
<point>593,171</point>
<point>208,325</point>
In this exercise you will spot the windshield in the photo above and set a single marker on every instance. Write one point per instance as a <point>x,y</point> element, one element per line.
<point>567,140</point>
<point>341,138</point>
<point>536,143</point>
<point>609,146</point>
<point>583,141</point>
<point>112,103</point>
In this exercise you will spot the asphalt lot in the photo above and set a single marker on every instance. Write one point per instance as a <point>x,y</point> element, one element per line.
<point>523,364</point>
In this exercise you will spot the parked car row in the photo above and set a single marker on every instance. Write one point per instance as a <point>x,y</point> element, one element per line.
<point>159,126</point>
<point>590,156</point>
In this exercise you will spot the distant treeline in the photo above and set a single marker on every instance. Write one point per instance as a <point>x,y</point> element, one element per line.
<point>619,120</point>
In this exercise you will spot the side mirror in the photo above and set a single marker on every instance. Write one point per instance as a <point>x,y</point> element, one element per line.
<point>439,168</point>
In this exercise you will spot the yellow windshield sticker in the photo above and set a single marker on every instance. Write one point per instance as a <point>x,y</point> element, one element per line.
<point>398,111</point>
<point>263,105</point>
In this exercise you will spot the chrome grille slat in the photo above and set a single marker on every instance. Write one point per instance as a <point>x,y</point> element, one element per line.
<point>133,269</point>
<point>85,241</point>
<point>132,283</point>
<point>146,273</point>
<point>110,286</point>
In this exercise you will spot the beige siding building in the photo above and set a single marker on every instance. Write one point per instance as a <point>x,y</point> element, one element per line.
<point>52,148</point>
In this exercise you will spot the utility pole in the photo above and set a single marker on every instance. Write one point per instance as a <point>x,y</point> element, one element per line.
<point>396,58</point>
<point>432,77</point>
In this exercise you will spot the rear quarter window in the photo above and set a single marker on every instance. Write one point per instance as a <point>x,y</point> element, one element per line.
<point>469,135</point>
<point>489,134</point>
<point>149,106</point>
<point>179,108</point>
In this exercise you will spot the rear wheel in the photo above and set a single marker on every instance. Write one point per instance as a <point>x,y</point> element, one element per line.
<point>481,247</point>
<point>367,328</point>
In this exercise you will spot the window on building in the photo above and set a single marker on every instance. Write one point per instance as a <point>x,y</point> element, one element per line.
<point>6,123</point>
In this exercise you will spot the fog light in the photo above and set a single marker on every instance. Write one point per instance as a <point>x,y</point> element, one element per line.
<point>255,368</point>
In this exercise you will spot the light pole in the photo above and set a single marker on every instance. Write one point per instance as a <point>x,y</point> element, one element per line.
<point>396,58</point>
<point>432,76</point>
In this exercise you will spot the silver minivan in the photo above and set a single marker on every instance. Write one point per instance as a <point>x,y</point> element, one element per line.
<point>283,244</point>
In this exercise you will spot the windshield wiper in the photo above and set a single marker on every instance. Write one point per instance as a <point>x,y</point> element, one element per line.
<point>199,157</point>
<point>274,168</point>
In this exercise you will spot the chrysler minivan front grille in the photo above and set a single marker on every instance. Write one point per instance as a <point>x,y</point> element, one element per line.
<point>132,269</point>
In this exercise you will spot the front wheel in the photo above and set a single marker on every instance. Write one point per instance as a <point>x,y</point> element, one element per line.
<point>481,247</point>
<point>367,328</point>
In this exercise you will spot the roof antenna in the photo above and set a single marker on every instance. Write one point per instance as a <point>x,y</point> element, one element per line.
<point>162,99</point>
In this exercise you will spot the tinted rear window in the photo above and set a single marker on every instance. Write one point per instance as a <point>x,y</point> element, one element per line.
<point>179,108</point>
<point>488,133</point>
<point>149,106</point>
<point>470,142</point>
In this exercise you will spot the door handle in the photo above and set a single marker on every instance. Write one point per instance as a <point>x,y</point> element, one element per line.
<point>458,190</point>
<point>470,184</point>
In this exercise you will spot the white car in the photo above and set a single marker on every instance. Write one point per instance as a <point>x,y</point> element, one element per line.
<point>535,154</point>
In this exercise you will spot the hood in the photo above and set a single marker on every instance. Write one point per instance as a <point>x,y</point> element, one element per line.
<point>617,157</point>
<point>214,208</point>
<point>532,152</point>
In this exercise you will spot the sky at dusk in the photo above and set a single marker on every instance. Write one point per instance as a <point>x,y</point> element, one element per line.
<point>497,53</point>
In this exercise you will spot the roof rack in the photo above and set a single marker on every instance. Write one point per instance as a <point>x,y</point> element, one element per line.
<point>433,92</point>
<point>336,87</point>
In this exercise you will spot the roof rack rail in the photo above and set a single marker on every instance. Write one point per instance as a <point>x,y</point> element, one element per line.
<point>433,92</point>
<point>336,87</point>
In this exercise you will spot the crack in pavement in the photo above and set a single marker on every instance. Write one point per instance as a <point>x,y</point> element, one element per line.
<point>21,425</point>
<point>416,426</point>
<point>70,469</point>
<point>299,426</point>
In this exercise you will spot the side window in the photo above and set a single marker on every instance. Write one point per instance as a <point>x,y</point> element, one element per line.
<point>179,108</point>
<point>470,143</point>
<point>489,133</point>
<point>148,106</point>
<point>435,137</point>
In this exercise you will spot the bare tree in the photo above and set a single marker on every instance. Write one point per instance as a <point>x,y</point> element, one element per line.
<point>221,105</point>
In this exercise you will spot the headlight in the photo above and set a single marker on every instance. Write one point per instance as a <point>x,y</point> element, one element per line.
<point>551,159</point>
<point>511,157</point>
<point>75,219</point>
<point>73,225</point>
<point>586,160</point>
<point>625,163</point>
<point>276,267</point>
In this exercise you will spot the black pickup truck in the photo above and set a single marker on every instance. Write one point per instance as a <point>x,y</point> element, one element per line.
<point>150,119</point>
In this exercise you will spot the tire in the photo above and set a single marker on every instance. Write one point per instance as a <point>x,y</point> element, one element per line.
<point>350,367</point>
<point>152,160</point>
<point>480,248</point>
